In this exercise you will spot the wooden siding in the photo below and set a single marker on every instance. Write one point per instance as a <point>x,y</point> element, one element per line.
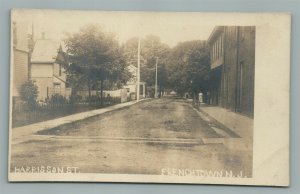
<point>20,71</point>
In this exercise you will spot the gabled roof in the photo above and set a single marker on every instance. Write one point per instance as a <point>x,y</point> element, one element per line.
<point>57,79</point>
<point>45,51</point>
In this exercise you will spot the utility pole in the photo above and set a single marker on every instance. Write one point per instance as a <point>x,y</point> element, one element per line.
<point>155,95</point>
<point>138,72</point>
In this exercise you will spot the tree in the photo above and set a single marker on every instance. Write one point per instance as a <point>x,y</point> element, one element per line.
<point>29,93</point>
<point>189,66</point>
<point>95,56</point>
<point>151,49</point>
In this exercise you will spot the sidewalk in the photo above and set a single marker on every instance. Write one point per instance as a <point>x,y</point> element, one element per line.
<point>18,134</point>
<point>238,123</point>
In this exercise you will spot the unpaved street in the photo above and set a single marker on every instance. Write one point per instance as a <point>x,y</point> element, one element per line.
<point>141,139</point>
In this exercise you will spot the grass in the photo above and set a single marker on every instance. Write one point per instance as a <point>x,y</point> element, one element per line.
<point>26,117</point>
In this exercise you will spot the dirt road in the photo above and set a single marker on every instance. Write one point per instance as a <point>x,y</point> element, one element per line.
<point>146,138</point>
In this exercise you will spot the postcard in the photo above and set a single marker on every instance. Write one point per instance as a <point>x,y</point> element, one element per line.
<point>149,97</point>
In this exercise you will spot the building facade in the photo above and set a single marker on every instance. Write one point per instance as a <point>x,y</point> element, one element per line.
<point>20,57</point>
<point>131,85</point>
<point>46,71</point>
<point>232,68</point>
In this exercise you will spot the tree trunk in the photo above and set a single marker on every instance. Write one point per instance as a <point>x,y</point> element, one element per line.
<point>89,86</point>
<point>101,92</point>
<point>159,91</point>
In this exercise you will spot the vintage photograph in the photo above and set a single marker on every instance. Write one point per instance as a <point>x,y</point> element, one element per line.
<point>131,94</point>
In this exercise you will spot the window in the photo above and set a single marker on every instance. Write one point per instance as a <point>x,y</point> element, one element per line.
<point>242,34</point>
<point>216,57</point>
<point>213,52</point>
<point>221,41</point>
<point>56,85</point>
<point>218,47</point>
<point>56,88</point>
<point>227,87</point>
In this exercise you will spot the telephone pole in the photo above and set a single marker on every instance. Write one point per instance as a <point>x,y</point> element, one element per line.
<point>155,95</point>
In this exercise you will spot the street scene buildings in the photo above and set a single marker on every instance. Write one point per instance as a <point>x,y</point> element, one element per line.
<point>131,103</point>
<point>232,68</point>
<point>21,58</point>
<point>48,75</point>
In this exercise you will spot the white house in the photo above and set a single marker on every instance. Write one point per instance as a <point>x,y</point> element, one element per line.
<point>46,72</point>
<point>131,84</point>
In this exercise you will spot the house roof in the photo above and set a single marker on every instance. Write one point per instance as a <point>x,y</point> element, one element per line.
<point>45,51</point>
<point>57,79</point>
<point>215,33</point>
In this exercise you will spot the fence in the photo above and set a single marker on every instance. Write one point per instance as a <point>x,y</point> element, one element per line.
<point>56,107</point>
<point>107,94</point>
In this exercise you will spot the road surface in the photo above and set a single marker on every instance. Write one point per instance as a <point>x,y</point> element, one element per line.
<point>146,138</point>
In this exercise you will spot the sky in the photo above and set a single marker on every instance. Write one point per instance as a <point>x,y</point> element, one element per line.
<point>170,27</point>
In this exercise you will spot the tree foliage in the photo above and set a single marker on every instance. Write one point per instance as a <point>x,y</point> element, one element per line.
<point>95,56</point>
<point>152,49</point>
<point>29,93</point>
<point>97,61</point>
<point>189,66</point>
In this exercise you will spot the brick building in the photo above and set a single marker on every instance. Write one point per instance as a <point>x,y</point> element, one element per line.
<point>232,68</point>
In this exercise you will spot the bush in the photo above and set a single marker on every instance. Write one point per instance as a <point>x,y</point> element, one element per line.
<point>75,98</point>
<point>58,99</point>
<point>96,100</point>
<point>93,99</point>
<point>29,94</point>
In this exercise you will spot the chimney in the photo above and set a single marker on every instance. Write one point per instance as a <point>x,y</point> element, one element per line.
<point>43,35</point>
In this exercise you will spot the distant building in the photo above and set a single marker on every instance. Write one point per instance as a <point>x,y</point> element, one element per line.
<point>232,68</point>
<point>131,84</point>
<point>46,70</point>
<point>20,57</point>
